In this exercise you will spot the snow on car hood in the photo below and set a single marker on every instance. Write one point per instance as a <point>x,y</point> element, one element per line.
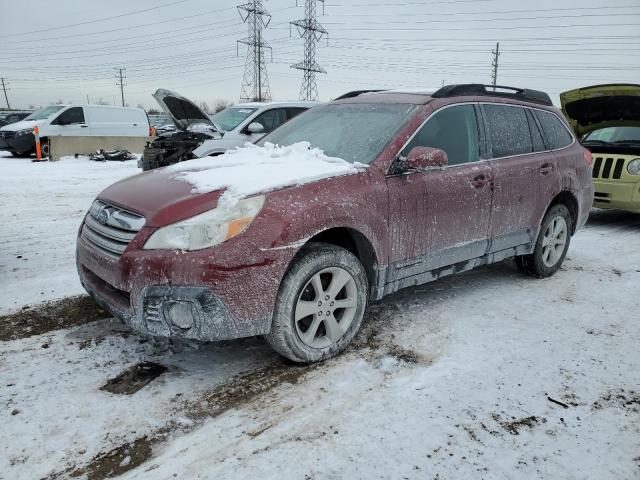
<point>182,111</point>
<point>252,169</point>
<point>21,125</point>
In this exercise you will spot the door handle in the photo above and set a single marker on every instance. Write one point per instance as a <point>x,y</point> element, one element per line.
<point>84,126</point>
<point>546,168</point>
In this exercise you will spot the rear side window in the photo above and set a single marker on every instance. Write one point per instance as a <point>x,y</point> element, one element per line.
<point>508,130</point>
<point>555,131</point>
<point>536,135</point>
<point>454,130</point>
<point>294,112</point>
<point>71,116</point>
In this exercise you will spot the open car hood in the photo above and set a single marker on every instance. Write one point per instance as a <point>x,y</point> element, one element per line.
<point>601,106</point>
<point>182,111</point>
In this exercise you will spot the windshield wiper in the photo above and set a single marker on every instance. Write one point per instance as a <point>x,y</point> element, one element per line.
<point>597,142</point>
<point>626,142</point>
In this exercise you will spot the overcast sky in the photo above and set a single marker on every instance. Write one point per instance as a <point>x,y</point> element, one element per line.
<point>68,49</point>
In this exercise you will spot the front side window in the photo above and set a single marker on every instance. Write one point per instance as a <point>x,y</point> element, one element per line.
<point>454,130</point>
<point>508,130</point>
<point>554,130</point>
<point>354,132</point>
<point>70,117</point>
<point>271,119</point>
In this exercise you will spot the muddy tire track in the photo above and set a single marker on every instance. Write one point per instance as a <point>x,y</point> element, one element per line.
<point>48,316</point>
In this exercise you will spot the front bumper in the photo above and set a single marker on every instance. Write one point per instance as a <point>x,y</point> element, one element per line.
<point>186,294</point>
<point>617,194</point>
<point>21,144</point>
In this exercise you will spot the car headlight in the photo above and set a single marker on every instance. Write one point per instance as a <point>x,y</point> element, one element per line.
<point>206,229</point>
<point>23,132</point>
<point>634,166</point>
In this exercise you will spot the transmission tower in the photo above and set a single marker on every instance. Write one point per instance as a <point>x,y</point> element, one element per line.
<point>255,83</point>
<point>120,77</point>
<point>4,88</point>
<point>312,32</point>
<point>494,65</point>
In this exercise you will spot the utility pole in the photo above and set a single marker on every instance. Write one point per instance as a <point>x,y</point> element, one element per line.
<point>255,82</point>
<point>494,64</point>
<point>120,77</point>
<point>4,89</point>
<point>312,32</point>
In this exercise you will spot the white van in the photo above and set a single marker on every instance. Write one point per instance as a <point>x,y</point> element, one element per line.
<point>73,121</point>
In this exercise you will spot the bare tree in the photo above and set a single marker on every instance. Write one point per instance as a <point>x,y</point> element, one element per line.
<point>102,101</point>
<point>154,111</point>
<point>221,104</point>
<point>204,107</point>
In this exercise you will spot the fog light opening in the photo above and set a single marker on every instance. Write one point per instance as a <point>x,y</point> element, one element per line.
<point>181,314</point>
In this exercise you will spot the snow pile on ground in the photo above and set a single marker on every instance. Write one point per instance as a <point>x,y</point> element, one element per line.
<point>253,169</point>
<point>41,207</point>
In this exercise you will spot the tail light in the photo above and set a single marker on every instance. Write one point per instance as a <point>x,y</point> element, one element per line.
<point>152,131</point>
<point>588,157</point>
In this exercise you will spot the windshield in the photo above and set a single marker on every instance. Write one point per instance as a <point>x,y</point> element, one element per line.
<point>354,132</point>
<point>230,118</point>
<point>45,112</point>
<point>614,135</point>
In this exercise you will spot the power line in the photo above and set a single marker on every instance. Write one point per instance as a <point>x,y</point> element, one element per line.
<point>312,32</point>
<point>101,19</point>
<point>255,83</point>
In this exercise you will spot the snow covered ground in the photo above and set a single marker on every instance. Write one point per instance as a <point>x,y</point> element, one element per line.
<point>448,380</point>
<point>41,207</point>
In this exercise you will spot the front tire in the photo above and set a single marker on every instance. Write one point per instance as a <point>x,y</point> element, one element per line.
<point>320,304</point>
<point>551,246</point>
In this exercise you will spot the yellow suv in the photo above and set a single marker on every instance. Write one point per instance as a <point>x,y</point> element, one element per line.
<point>606,118</point>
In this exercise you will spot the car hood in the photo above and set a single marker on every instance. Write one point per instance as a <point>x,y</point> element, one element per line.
<point>601,106</point>
<point>159,197</point>
<point>21,125</point>
<point>182,111</point>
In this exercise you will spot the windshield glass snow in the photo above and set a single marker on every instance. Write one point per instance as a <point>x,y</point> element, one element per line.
<point>44,112</point>
<point>356,133</point>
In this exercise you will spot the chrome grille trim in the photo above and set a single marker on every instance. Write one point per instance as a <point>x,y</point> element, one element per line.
<point>110,229</point>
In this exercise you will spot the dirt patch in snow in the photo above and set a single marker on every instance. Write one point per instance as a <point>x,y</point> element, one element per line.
<point>235,393</point>
<point>514,426</point>
<point>134,378</point>
<point>54,315</point>
<point>619,398</point>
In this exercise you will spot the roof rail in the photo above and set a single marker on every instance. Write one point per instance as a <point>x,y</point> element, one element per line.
<point>355,93</point>
<point>523,94</point>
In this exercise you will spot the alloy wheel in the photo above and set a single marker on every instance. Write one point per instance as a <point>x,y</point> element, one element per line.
<point>326,307</point>
<point>554,241</point>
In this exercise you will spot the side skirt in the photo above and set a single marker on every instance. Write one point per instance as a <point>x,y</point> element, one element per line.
<point>382,290</point>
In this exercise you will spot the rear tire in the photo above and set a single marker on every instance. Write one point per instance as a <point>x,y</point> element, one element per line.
<point>320,304</point>
<point>551,246</point>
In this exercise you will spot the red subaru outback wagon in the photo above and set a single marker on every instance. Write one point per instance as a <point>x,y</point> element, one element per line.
<point>439,183</point>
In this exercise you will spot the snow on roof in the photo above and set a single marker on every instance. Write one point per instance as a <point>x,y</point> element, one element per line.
<point>251,169</point>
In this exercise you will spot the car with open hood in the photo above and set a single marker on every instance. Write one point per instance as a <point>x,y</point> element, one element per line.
<point>350,201</point>
<point>606,118</point>
<point>197,134</point>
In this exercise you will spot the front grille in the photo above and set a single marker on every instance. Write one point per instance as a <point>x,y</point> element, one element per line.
<point>608,168</point>
<point>5,134</point>
<point>110,229</point>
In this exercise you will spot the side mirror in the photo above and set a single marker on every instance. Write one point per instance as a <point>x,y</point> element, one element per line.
<point>255,127</point>
<point>423,158</point>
